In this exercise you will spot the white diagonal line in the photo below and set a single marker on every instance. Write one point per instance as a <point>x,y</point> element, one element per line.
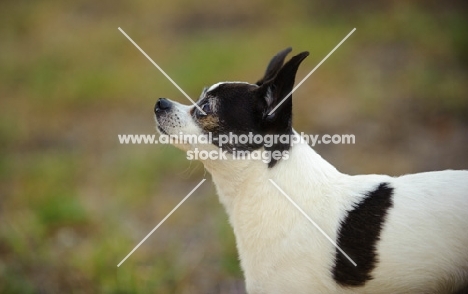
<point>162,71</point>
<point>311,72</point>
<point>160,223</point>
<point>310,220</point>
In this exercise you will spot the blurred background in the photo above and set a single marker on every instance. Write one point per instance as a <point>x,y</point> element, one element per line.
<point>74,202</point>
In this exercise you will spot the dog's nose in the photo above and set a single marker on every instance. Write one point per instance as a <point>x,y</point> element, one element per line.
<point>162,104</point>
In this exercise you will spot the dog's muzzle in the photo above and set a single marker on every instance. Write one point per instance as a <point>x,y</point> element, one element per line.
<point>162,105</point>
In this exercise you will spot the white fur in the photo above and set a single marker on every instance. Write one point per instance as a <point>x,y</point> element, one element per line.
<point>423,246</point>
<point>214,86</point>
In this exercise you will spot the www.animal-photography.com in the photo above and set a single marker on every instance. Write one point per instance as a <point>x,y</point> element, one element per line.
<point>234,147</point>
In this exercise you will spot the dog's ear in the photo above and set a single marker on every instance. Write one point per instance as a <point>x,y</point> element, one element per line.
<point>274,66</point>
<point>276,89</point>
<point>277,114</point>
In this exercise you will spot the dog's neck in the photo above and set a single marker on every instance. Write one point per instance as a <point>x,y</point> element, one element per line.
<point>300,154</point>
<point>255,207</point>
<point>231,176</point>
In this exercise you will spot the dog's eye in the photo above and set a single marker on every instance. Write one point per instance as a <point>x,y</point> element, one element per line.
<point>206,108</point>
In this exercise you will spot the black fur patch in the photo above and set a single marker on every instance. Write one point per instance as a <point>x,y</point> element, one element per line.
<point>244,109</point>
<point>358,237</point>
<point>239,112</point>
<point>464,290</point>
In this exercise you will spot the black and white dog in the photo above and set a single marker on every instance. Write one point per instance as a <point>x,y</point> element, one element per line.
<point>407,234</point>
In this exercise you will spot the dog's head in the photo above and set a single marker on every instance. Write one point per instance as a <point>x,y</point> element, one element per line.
<point>237,108</point>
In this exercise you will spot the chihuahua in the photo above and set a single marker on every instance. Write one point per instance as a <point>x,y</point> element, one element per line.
<point>406,234</point>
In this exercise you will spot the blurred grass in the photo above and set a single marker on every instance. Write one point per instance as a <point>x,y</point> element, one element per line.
<point>73,202</point>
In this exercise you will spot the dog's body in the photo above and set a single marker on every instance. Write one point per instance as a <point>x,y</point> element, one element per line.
<point>407,234</point>
<point>422,247</point>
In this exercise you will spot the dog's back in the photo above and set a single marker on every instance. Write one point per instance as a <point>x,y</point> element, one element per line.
<point>423,245</point>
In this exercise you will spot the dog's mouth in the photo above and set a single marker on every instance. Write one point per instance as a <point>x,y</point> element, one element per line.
<point>158,124</point>
<point>161,130</point>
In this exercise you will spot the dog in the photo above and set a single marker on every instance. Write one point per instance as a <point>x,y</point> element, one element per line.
<point>406,234</point>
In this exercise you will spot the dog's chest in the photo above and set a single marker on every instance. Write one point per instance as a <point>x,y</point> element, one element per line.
<point>275,241</point>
